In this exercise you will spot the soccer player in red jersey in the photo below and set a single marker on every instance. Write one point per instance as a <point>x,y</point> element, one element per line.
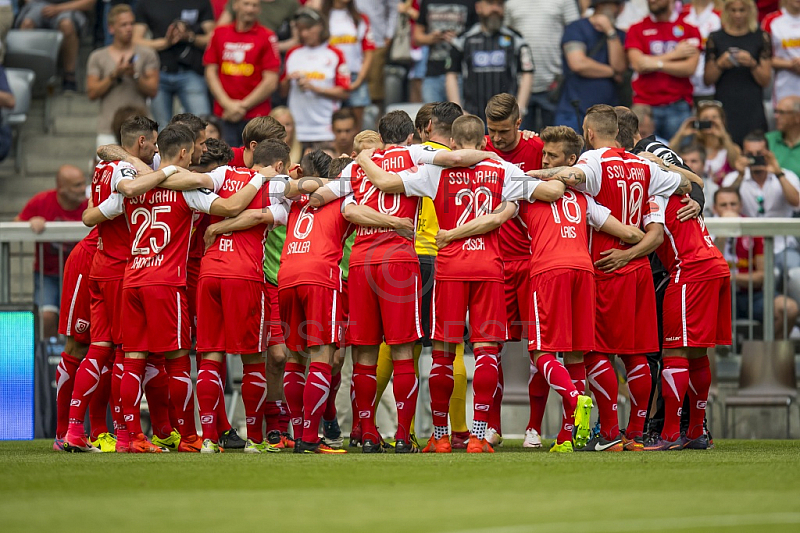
<point>503,122</point>
<point>74,324</point>
<point>460,194</point>
<point>384,279</point>
<point>562,303</point>
<point>626,309</point>
<point>232,285</point>
<point>697,316</point>
<point>160,222</point>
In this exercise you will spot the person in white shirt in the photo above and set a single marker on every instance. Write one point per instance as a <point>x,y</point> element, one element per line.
<point>784,29</point>
<point>702,15</point>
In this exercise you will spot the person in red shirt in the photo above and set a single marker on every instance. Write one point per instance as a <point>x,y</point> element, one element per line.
<point>66,202</point>
<point>664,51</point>
<point>503,122</point>
<point>697,316</point>
<point>242,63</point>
<point>160,222</point>
<point>626,304</point>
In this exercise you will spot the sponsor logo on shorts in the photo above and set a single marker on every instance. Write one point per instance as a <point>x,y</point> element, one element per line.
<point>641,413</point>
<point>209,419</point>
<point>128,418</point>
<point>482,407</point>
<point>363,414</point>
<point>75,403</point>
<point>701,405</point>
<point>81,326</point>
<point>670,339</point>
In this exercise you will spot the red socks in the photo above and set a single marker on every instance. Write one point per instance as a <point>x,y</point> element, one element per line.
<point>209,391</point>
<point>254,395</point>
<point>116,403</point>
<point>98,405</point>
<point>330,405</point>
<point>131,394</point>
<point>181,393</point>
<point>603,382</point>
<point>365,382</point>
<point>577,373</point>
<point>639,383</point>
<point>406,388</point>
<point>497,401</point>
<point>674,382</point>
<point>538,389</point>
<point>272,413</point>
<point>441,386</point>
<point>699,383</point>
<point>558,378</point>
<point>156,388</point>
<point>315,396</point>
<point>294,382</point>
<point>484,381</point>
<point>87,380</point>
<point>65,381</point>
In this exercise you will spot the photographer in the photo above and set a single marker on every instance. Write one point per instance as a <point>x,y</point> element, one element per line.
<point>180,32</point>
<point>709,129</point>
<point>767,190</point>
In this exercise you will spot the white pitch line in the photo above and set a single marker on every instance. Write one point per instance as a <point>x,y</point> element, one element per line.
<point>649,524</point>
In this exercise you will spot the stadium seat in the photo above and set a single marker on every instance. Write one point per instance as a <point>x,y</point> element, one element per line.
<point>37,50</point>
<point>21,83</point>
<point>766,379</point>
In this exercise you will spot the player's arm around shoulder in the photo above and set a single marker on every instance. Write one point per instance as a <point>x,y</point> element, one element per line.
<point>600,217</point>
<point>568,176</point>
<point>383,180</point>
<point>363,215</point>
<point>236,203</point>
<point>478,225</point>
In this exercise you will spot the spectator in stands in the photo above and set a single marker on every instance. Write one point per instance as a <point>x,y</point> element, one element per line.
<point>121,74</point>
<point>492,59</point>
<point>7,101</point>
<point>664,52</point>
<point>694,156</point>
<point>594,60</point>
<point>440,21</point>
<point>180,29</point>
<point>213,128</point>
<point>541,23</point>
<point>708,129</point>
<point>67,17</point>
<point>64,203</point>
<point>242,63</point>
<point>284,116</point>
<point>767,190</point>
<point>702,14</point>
<point>419,54</point>
<point>784,29</point>
<point>344,131</point>
<point>633,11</point>
<point>316,79</point>
<point>382,15</point>
<point>738,252</point>
<point>6,22</point>
<point>784,142</point>
<point>275,15</point>
<point>739,64</point>
<point>351,32</point>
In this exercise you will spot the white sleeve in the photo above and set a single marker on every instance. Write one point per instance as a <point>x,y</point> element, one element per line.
<point>112,206</point>
<point>596,214</point>
<point>422,153</point>
<point>123,171</point>
<point>589,163</point>
<point>200,199</point>
<point>730,177</point>
<point>156,161</point>
<point>663,182</point>
<point>656,208</point>
<point>342,185</point>
<point>280,214</point>
<point>218,176</point>
<point>520,188</point>
<point>423,182</point>
<point>349,199</point>
<point>277,189</point>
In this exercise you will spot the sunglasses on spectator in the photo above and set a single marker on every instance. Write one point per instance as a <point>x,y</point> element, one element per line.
<point>709,103</point>
<point>760,200</point>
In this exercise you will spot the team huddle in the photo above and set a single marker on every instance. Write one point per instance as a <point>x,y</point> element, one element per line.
<point>533,238</point>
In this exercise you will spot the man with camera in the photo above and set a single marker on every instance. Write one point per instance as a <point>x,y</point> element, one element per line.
<point>767,190</point>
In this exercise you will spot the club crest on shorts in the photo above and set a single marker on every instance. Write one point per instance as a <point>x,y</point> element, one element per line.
<point>81,326</point>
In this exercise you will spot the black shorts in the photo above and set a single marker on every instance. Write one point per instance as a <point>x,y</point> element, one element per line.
<point>427,268</point>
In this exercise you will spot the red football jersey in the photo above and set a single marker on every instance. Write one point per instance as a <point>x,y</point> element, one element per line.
<point>200,224</point>
<point>314,245</point>
<point>622,182</point>
<point>240,254</point>
<point>383,245</point>
<point>514,241</point>
<point>90,241</point>
<point>688,251</point>
<point>459,195</point>
<point>113,245</point>
<point>161,227</point>
<point>559,233</point>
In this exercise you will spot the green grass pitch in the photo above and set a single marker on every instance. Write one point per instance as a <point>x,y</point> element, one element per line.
<point>742,486</point>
